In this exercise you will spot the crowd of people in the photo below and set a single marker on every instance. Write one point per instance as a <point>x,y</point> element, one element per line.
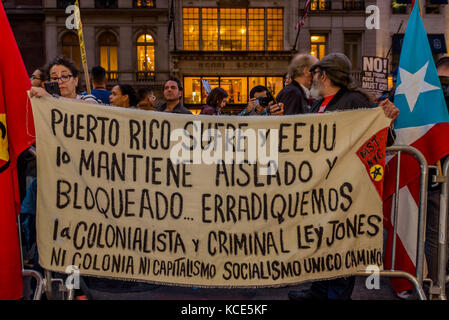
<point>311,86</point>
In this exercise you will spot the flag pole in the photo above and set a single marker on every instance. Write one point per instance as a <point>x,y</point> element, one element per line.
<point>301,22</point>
<point>397,32</point>
<point>82,45</point>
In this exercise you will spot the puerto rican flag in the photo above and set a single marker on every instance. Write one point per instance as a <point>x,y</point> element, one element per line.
<point>423,123</point>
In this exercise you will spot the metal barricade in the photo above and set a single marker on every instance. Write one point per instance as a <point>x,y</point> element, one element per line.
<point>439,288</point>
<point>417,280</point>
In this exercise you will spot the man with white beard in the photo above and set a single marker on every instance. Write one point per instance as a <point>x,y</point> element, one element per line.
<point>332,78</point>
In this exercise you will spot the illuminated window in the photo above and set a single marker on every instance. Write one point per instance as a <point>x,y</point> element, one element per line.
<point>210,29</point>
<point>275,29</point>
<point>145,57</point>
<point>144,3</point>
<point>318,46</point>
<point>398,8</point>
<point>238,88</point>
<point>256,29</point>
<point>213,82</point>
<point>191,28</point>
<point>275,85</point>
<point>233,29</point>
<point>108,54</point>
<point>71,48</point>
<point>320,5</point>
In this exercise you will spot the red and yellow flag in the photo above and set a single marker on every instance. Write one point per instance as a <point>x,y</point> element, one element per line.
<point>16,135</point>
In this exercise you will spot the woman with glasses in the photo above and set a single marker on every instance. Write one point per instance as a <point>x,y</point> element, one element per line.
<point>65,73</point>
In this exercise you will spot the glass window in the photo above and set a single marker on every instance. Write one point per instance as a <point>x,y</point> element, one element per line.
<point>352,44</point>
<point>255,81</point>
<point>191,28</point>
<point>233,29</point>
<point>108,51</point>
<point>210,29</point>
<point>432,8</point>
<point>213,82</point>
<point>318,46</point>
<point>71,48</point>
<point>237,89</point>
<point>353,5</point>
<point>256,29</point>
<point>398,8</point>
<point>145,57</point>
<point>275,85</point>
<point>275,35</point>
<point>320,5</point>
<point>192,90</point>
<point>144,3</point>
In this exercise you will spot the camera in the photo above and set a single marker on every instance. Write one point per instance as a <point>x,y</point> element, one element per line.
<point>265,101</point>
<point>52,87</point>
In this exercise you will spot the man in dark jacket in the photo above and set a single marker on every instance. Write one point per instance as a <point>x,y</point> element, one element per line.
<point>331,76</point>
<point>296,95</point>
<point>172,96</point>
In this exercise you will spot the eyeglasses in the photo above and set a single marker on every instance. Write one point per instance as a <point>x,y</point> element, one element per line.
<point>33,77</point>
<point>62,78</point>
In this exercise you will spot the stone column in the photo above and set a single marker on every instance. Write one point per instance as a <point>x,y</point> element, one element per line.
<point>127,55</point>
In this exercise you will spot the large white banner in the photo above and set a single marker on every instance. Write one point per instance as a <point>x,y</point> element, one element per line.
<point>208,201</point>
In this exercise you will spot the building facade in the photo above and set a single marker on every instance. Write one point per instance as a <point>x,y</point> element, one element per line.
<point>234,44</point>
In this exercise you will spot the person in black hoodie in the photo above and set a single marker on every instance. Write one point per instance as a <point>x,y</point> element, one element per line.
<point>331,76</point>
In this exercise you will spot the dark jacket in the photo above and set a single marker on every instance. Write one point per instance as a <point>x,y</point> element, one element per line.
<point>178,109</point>
<point>344,100</point>
<point>294,99</point>
<point>350,100</point>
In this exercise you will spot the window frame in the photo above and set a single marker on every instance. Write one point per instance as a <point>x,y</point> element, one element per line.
<point>248,87</point>
<point>145,75</point>
<point>190,43</point>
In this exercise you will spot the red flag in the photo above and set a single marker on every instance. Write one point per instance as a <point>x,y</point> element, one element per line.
<point>16,135</point>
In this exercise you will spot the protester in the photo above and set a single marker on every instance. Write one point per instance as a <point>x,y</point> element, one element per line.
<point>146,99</point>
<point>65,73</point>
<point>98,78</point>
<point>38,77</point>
<point>172,96</point>
<point>123,95</point>
<point>331,76</point>
<point>215,103</point>
<point>296,95</point>
<point>254,106</point>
